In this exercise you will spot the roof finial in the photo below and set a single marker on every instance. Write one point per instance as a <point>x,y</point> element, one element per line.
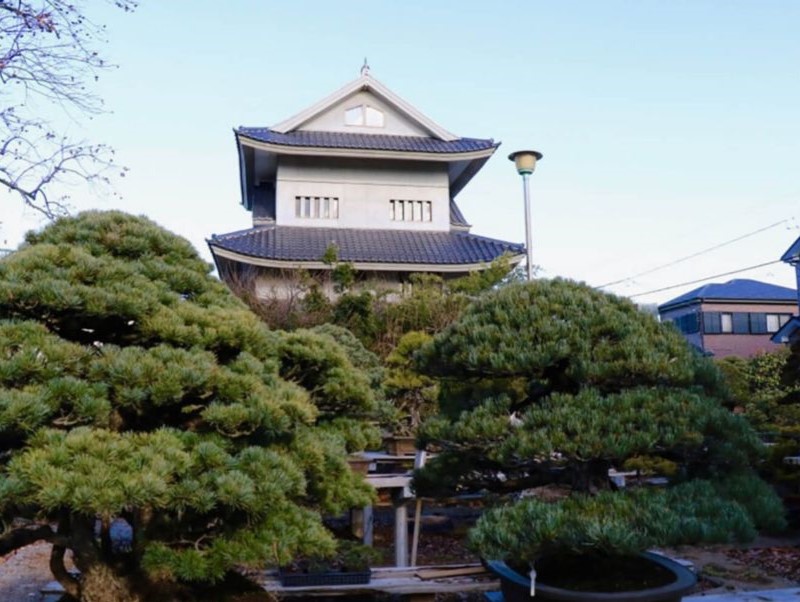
<point>365,68</point>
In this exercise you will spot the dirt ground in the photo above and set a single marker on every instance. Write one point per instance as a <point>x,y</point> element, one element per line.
<point>24,573</point>
<point>768,563</point>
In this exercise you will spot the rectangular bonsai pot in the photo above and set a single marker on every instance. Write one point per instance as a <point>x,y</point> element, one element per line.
<point>289,579</point>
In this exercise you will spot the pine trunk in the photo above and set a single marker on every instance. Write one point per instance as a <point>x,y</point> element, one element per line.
<point>101,584</point>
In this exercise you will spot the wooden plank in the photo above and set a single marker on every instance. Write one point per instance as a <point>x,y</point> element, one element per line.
<point>442,573</point>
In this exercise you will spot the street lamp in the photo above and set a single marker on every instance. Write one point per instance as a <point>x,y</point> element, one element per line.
<point>525,161</point>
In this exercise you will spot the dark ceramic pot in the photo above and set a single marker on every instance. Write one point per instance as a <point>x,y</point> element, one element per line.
<point>517,588</point>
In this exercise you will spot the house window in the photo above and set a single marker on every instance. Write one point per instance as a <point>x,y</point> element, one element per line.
<point>364,115</point>
<point>316,207</point>
<point>743,323</point>
<point>373,117</point>
<point>354,116</point>
<point>401,210</point>
<point>776,321</point>
<point>688,323</point>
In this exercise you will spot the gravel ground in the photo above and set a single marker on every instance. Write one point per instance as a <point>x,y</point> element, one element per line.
<point>24,573</point>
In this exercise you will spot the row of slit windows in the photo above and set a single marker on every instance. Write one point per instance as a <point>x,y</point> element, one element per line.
<point>410,211</point>
<point>715,322</point>
<point>327,207</point>
<point>316,207</point>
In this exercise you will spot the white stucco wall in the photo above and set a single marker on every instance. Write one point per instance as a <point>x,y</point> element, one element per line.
<point>283,286</point>
<point>364,189</point>
<point>332,120</point>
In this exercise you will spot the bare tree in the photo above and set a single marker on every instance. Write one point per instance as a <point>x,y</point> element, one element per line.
<point>48,56</point>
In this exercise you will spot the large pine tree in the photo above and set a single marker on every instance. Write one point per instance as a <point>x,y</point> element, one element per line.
<point>552,382</point>
<point>136,391</point>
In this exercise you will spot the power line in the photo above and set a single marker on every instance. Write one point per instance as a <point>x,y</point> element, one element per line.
<point>697,254</point>
<point>666,288</point>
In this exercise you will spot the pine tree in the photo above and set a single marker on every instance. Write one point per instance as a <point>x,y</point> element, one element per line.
<point>552,381</point>
<point>135,390</point>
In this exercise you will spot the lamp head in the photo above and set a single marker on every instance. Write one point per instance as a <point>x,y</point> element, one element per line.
<point>525,160</point>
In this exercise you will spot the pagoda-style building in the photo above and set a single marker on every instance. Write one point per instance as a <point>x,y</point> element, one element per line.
<point>367,173</point>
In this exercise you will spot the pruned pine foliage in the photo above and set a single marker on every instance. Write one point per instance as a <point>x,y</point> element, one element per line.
<point>553,381</point>
<point>134,386</point>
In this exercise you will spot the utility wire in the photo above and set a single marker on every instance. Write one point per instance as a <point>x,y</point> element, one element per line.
<point>697,254</point>
<point>666,288</point>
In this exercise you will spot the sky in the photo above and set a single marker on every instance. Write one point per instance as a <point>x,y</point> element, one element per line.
<point>668,128</point>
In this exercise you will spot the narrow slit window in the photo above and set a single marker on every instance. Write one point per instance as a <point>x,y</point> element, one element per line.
<point>410,211</point>
<point>316,207</point>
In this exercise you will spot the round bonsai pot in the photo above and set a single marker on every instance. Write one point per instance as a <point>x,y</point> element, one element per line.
<point>517,588</point>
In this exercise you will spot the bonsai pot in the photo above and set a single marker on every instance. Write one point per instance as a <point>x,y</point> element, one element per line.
<point>678,581</point>
<point>359,464</point>
<point>400,446</point>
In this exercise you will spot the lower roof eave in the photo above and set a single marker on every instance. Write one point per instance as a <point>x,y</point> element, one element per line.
<point>358,265</point>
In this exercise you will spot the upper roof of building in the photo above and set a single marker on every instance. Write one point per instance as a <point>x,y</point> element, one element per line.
<point>792,254</point>
<point>739,290</point>
<point>385,142</point>
<point>363,120</point>
<point>271,245</point>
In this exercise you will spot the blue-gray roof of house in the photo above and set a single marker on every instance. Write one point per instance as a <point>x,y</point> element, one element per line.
<point>734,290</point>
<point>292,243</point>
<point>792,254</point>
<point>315,139</point>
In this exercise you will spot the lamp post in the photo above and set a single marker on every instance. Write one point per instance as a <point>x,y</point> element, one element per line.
<point>525,162</point>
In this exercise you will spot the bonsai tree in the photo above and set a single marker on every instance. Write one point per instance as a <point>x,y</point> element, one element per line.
<point>552,382</point>
<point>413,395</point>
<point>139,397</point>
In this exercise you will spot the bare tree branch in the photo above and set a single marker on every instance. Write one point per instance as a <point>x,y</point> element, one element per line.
<point>48,51</point>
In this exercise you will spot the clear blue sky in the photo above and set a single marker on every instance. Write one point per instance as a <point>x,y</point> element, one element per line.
<point>667,127</point>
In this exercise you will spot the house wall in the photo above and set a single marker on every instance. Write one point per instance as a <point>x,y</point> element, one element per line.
<point>364,189</point>
<point>394,124</point>
<point>743,345</point>
<point>695,338</point>
<point>283,285</point>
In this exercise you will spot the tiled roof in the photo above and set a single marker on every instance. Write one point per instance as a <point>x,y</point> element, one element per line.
<point>292,243</point>
<point>456,217</point>
<point>792,254</point>
<point>419,144</point>
<point>734,290</point>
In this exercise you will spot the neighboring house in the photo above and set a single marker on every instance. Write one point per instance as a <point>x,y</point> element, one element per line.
<point>790,332</point>
<point>365,172</point>
<point>738,317</point>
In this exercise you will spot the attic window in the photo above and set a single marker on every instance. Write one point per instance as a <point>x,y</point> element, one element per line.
<point>364,115</point>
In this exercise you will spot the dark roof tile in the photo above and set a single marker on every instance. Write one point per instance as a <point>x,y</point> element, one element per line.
<point>365,141</point>
<point>292,243</point>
